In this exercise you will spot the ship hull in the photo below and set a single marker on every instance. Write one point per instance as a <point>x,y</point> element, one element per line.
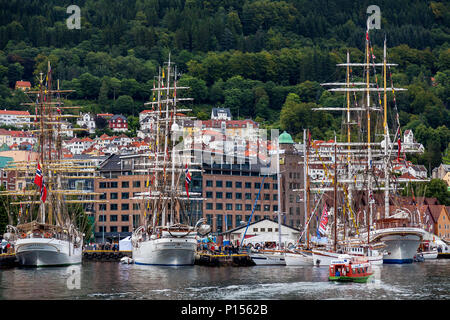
<point>401,244</point>
<point>166,252</point>
<point>298,259</point>
<point>268,259</point>
<point>47,253</point>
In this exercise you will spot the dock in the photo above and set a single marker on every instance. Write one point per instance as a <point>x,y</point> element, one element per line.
<point>105,255</point>
<point>219,260</point>
<point>8,260</point>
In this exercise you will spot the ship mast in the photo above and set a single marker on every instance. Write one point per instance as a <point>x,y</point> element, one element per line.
<point>386,138</point>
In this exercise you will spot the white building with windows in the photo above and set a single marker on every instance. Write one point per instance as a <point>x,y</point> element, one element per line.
<point>262,231</point>
<point>14,118</point>
<point>87,121</point>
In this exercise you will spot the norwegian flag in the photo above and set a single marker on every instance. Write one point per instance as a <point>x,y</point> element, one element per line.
<point>38,180</point>
<point>43,192</point>
<point>187,181</point>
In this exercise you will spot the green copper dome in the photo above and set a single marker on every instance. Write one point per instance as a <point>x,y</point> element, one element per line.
<point>286,138</point>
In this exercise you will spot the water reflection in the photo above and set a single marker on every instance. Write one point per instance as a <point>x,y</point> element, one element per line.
<point>96,280</point>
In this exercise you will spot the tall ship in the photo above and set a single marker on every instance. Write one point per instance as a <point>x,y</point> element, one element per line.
<point>167,236</point>
<point>350,174</point>
<point>47,219</point>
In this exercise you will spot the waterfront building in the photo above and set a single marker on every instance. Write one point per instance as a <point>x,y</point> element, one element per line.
<point>230,189</point>
<point>261,231</point>
<point>123,180</point>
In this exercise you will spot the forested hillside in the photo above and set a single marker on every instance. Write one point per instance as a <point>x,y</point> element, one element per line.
<point>263,59</point>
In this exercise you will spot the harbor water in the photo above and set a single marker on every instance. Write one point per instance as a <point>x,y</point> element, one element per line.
<point>429,280</point>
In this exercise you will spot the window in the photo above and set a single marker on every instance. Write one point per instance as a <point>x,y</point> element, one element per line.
<point>229,184</point>
<point>266,196</point>
<point>102,185</point>
<point>229,206</point>
<point>125,217</point>
<point>255,229</point>
<point>102,229</point>
<point>114,184</point>
<point>113,207</point>
<point>209,194</point>
<point>113,229</point>
<point>266,207</point>
<point>238,184</point>
<point>258,207</point>
<point>209,206</point>
<point>136,184</point>
<point>219,195</point>
<point>219,206</point>
<point>229,195</point>
<point>102,218</point>
<point>275,207</point>
<point>266,186</point>
<point>125,195</point>
<point>257,185</point>
<point>103,196</point>
<point>136,206</point>
<point>125,229</point>
<point>238,196</point>
<point>269,229</point>
<point>125,184</point>
<point>209,183</point>
<point>263,229</point>
<point>102,207</point>
<point>113,217</point>
<point>238,207</point>
<point>248,185</point>
<point>125,207</point>
<point>248,196</point>
<point>113,195</point>
<point>219,184</point>
<point>248,207</point>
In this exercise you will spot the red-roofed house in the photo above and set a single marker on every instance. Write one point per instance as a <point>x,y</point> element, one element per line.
<point>22,85</point>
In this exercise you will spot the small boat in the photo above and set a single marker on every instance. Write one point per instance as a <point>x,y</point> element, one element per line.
<point>350,269</point>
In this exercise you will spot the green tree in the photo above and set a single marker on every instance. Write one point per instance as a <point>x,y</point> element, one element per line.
<point>123,105</point>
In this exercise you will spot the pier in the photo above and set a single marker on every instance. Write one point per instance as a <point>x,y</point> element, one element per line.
<point>219,260</point>
<point>8,260</point>
<point>105,255</point>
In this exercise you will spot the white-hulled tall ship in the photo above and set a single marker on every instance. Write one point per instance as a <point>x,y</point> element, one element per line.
<point>364,168</point>
<point>163,238</point>
<point>49,217</point>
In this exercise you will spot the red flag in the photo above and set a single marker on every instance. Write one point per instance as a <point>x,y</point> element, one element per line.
<point>399,141</point>
<point>187,181</point>
<point>43,192</point>
<point>38,178</point>
<point>323,220</point>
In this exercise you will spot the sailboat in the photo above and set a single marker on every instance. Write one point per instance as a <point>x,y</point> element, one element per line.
<point>48,230</point>
<point>398,234</point>
<point>272,256</point>
<point>163,238</point>
<point>302,255</point>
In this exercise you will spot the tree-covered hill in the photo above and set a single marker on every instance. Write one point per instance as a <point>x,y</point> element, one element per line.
<point>262,59</point>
